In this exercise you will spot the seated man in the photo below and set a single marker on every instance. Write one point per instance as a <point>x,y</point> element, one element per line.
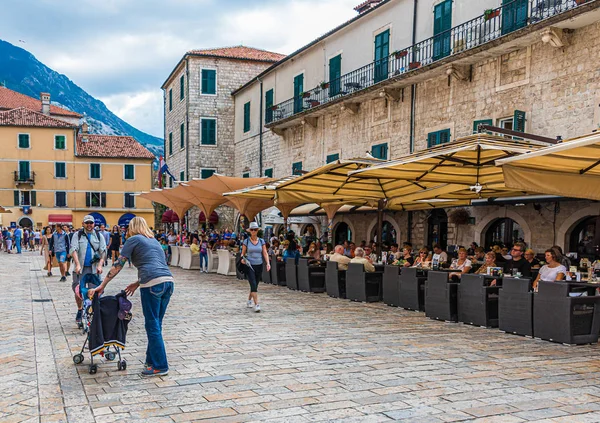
<point>518,263</point>
<point>439,255</point>
<point>195,247</point>
<point>340,258</point>
<point>359,257</point>
<point>370,254</point>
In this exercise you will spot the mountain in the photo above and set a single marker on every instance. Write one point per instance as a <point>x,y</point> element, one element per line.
<point>22,72</point>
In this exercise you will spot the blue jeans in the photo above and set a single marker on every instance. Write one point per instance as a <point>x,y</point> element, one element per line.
<point>203,259</point>
<point>18,245</point>
<point>154,305</point>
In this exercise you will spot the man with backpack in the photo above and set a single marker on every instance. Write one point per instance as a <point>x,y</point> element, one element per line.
<point>59,247</point>
<point>88,250</point>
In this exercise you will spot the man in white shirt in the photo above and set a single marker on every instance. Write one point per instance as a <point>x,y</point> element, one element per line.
<point>340,258</point>
<point>439,255</point>
<point>359,257</point>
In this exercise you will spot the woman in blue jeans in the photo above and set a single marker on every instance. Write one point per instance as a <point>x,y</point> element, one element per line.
<point>156,283</point>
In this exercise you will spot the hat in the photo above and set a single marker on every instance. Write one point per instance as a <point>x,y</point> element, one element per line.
<point>88,218</point>
<point>253,225</point>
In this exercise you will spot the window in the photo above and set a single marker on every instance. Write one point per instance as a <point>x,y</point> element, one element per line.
<point>519,121</point>
<point>380,151</point>
<point>297,168</point>
<point>170,143</point>
<point>298,91</point>
<point>335,72</point>
<point>514,15</point>
<point>208,132</point>
<point>438,137</point>
<point>245,175</point>
<point>24,141</point>
<point>129,200</point>
<point>247,117</point>
<point>181,87</point>
<point>60,142</point>
<point>170,182</point>
<point>206,173</point>
<point>24,171</point>
<point>129,172</point>
<point>333,157</point>
<point>382,52</point>
<point>209,81</point>
<point>24,198</point>
<point>269,106</point>
<point>170,99</point>
<point>476,124</point>
<point>442,23</point>
<point>182,175</point>
<point>182,135</point>
<point>95,199</point>
<point>95,171</point>
<point>60,170</point>
<point>60,199</point>
<point>269,172</point>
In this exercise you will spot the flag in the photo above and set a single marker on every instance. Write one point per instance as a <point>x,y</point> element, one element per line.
<point>163,168</point>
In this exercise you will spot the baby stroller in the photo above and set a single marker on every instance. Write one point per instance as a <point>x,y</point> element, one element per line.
<point>104,324</point>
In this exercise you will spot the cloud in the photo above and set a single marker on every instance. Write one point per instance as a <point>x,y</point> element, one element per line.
<point>142,109</point>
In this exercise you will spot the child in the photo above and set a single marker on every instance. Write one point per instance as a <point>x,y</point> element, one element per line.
<point>165,248</point>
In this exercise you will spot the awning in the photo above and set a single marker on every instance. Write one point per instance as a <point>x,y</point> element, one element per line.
<point>125,219</point>
<point>54,219</point>
<point>169,216</point>
<point>98,219</point>
<point>178,205</point>
<point>571,169</point>
<point>214,218</point>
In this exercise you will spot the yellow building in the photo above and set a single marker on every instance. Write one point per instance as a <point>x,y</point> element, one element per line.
<point>55,172</point>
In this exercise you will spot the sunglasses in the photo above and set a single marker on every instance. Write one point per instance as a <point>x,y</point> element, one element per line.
<point>88,223</point>
<point>254,229</point>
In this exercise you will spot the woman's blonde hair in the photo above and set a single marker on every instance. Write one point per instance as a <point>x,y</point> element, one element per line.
<point>138,226</point>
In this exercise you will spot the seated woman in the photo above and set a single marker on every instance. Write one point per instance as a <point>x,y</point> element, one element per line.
<point>291,251</point>
<point>530,257</point>
<point>463,264</point>
<point>274,248</point>
<point>490,261</point>
<point>406,259</point>
<point>553,271</point>
<point>313,252</point>
<point>423,259</point>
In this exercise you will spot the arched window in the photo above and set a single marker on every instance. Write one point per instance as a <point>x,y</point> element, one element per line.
<point>437,232</point>
<point>389,234</point>
<point>342,233</point>
<point>503,231</point>
<point>585,238</point>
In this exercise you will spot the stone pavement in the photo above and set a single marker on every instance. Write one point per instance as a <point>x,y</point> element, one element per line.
<point>305,358</point>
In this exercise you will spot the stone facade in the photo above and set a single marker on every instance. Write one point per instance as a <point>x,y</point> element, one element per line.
<point>557,88</point>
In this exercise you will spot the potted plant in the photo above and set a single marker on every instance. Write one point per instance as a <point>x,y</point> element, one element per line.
<point>324,85</point>
<point>414,65</point>
<point>580,1</point>
<point>400,54</point>
<point>274,107</point>
<point>305,94</point>
<point>490,14</point>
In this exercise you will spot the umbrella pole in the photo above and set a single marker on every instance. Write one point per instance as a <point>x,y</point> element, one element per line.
<point>379,227</point>
<point>285,225</point>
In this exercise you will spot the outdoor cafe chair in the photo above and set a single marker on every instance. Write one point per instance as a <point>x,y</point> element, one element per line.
<point>440,297</point>
<point>277,271</point>
<point>335,280</point>
<point>174,255</point>
<point>515,308</point>
<point>560,317</point>
<point>266,275</point>
<point>412,289</point>
<point>213,262</point>
<point>291,273</point>
<point>478,302</point>
<point>391,285</point>
<point>363,286</point>
<point>238,274</point>
<point>187,260</point>
<point>310,278</point>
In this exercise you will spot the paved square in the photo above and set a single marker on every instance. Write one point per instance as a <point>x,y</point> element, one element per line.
<point>305,358</point>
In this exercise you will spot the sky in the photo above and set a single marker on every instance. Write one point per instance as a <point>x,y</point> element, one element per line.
<point>121,51</point>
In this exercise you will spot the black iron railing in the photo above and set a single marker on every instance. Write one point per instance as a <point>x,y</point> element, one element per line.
<point>24,177</point>
<point>493,24</point>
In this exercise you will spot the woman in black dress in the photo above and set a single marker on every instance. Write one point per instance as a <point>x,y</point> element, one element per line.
<point>115,244</point>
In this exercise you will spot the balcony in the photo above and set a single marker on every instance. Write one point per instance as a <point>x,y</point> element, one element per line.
<point>448,46</point>
<point>24,178</point>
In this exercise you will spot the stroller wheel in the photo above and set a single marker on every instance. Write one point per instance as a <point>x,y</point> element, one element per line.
<point>93,369</point>
<point>78,358</point>
<point>110,356</point>
<point>122,365</point>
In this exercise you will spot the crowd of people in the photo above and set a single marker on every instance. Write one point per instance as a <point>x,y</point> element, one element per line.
<point>18,239</point>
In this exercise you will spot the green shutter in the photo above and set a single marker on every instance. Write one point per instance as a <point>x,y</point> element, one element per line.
<point>182,87</point>
<point>16,198</point>
<point>33,198</point>
<point>59,142</point>
<point>182,135</point>
<point>437,138</point>
<point>23,140</point>
<point>170,99</point>
<point>129,171</point>
<point>297,168</point>
<point>206,173</point>
<point>333,157</point>
<point>170,143</point>
<point>442,23</point>
<point>269,173</point>
<point>88,199</point>
<point>182,176</point>
<point>60,170</point>
<point>432,139</point>
<point>335,72</point>
<point>514,15</point>
<point>382,52</point>
<point>380,151</point>
<point>476,124</point>
<point>519,121</point>
<point>269,106</point>
<point>102,199</point>
<point>444,136</point>
<point>245,175</point>
<point>208,132</point>
<point>247,117</point>
<point>298,90</point>
<point>24,171</point>
<point>209,81</point>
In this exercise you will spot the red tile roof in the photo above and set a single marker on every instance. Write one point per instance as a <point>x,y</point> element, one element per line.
<point>240,52</point>
<point>366,5</point>
<point>111,146</point>
<point>29,118</point>
<point>10,99</point>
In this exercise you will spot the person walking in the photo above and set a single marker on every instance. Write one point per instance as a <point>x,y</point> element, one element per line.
<point>203,255</point>
<point>156,285</point>
<point>45,249</point>
<point>18,235</point>
<point>69,233</point>
<point>88,251</point>
<point>114,245</point>
<point>59,247</point>
<point>36,239</point>
<point>254,251</point>
<point>9,241</point>
<point>106,236</point>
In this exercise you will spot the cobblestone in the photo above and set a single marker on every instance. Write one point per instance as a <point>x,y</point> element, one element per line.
<point>305,358</point>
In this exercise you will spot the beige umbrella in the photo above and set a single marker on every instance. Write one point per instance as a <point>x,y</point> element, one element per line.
<point>164,197</point>
<point>571,169</point>
<point>206,201</point>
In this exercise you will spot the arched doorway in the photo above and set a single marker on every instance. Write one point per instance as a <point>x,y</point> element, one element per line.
<point>309,234</point>
<point>504,231</point>
<point>585,238</point>
<point>125,219</point>
<point>437,231</point>
<point>25,222</point>
<point>342,233</point>
<point>389,234</point>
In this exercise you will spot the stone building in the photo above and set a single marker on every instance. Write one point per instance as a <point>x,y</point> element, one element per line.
<point>199,111</point>
<point>396,79</point>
